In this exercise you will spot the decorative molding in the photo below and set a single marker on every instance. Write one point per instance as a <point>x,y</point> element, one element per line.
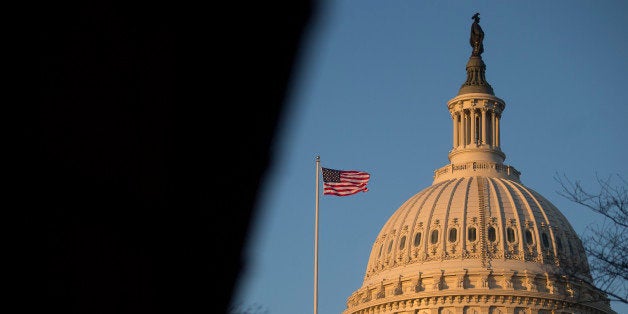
<point>474,303</point>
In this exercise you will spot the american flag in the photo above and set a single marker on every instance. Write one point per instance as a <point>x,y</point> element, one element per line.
<point>344,182</point>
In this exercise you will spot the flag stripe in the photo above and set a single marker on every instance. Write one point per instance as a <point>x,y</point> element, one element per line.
<point>344,182</point>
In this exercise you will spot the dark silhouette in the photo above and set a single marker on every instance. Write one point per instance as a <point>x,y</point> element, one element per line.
<point>152,136</point>
<point>477,36</point>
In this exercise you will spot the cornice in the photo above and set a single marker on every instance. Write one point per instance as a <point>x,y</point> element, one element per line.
<point>475,299</point>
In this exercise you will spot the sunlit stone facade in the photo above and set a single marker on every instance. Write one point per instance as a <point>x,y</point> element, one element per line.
<point>477,240</point>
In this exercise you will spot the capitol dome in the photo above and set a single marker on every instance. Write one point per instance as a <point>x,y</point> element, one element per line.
<point>477,240</point>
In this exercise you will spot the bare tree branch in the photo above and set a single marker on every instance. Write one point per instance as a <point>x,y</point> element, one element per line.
<point>605,243</point>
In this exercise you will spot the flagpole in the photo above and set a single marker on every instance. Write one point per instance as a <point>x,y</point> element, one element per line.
<point>318,161</point>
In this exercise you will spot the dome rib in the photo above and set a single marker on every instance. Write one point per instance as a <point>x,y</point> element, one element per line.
<point>478,212</point>
<point>545,226</point>
<point>375,263</point>
<point>487,211</point>
<point>515,214</point>
<point>401,229</point>
<point>414,228</point>
<point>531,222</point>
<point>433,223</point>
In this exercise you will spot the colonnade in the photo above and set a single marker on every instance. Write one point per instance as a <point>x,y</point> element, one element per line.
<point>476,127</point>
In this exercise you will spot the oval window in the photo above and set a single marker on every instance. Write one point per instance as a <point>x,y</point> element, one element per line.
<point>402,243</point>
<point>453,234</point>
<point>417,239</point>
<point>529,239</point>
<point>510,235</point>
<point>471,234</point>
<point>491,234</point>
<point>434,237</point>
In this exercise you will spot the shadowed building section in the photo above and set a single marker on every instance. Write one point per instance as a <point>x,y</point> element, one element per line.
<point>152,137</point>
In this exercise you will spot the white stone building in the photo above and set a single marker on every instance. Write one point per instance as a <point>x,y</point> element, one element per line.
<point>477,240</point>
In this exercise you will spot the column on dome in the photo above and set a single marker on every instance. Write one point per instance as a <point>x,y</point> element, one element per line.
<point>455,116</point>
<point>461,128</point>
<point>493,135</point>
<point>483,126</point>
<point>477,134</point>
<point>468,129</point>
<point>473,126</point>
<point>489,128</point>
<point>497,130</point>
<point>463,134</point>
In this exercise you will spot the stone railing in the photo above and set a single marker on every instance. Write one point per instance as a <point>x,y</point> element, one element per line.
<point>472,168</point>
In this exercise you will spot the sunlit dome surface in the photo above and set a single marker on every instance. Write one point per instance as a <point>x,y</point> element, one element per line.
<point>470,223</point>
<point>477,240</point>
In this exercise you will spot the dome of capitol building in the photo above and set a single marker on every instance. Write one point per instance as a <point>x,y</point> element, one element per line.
<point>477,240</point>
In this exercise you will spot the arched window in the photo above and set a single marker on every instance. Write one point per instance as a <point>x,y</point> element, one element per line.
<point>559,244</point>
<point>491,234</point>
<point>510,235</point>
<point>390,246</point>
<point>434,237</point>
<point>471,234</point>
<point>417,239</point>
<point>402,243</point>
<point>453,235</point>
<point>529,239</point>
<point>545,240</point>
<point>380,250</point>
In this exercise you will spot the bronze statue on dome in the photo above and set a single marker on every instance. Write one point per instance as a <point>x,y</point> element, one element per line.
<point>477,36</point>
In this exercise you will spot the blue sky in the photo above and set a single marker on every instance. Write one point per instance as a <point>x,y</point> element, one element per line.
<point>369,93</point>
